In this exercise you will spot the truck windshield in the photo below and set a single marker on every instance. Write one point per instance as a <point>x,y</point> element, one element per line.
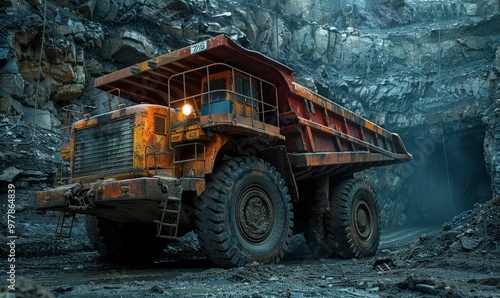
<point>214,95</point>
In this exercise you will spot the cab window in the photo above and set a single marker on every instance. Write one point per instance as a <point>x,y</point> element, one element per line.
<point>243,87</point>
<point>214,95</point>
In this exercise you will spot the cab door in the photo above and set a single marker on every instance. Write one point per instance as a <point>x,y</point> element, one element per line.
<point>216,98</point>
<point>246,97</point>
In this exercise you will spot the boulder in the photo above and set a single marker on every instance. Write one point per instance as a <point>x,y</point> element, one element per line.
<point>25,37</point>
<point>79,74</point>
<point>49,106</point>
<point>68,92</point>
<point>8,105</point>
<point>87,9</point>
<point>29,68</point>
<point>62,73</point>
<point>129,48</point>
<point>41,94</point>
<point>469,243</point>
<point>12,84</point>
<point>7,62</point>
<point>102,9</point>
<point>78,31</point>
<point>40,117</point>
<point>113,12</point>
<point>4,56</point>
<point>9,174</point>
<point>5,104</point>
<point>179,5</point>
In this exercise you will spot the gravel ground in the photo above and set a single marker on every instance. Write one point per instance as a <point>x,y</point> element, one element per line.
<point>459,259</point>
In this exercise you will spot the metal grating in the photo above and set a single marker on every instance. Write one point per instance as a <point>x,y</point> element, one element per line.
<point>104,149</point>
<point>160,125</point>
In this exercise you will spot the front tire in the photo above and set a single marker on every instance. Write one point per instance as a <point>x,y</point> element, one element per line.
<point>123,243</point>
<point>245,213</point>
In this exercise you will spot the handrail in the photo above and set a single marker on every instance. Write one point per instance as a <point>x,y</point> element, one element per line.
<point>207,71</point>
<point>195,158</point>
<point>154,153</point>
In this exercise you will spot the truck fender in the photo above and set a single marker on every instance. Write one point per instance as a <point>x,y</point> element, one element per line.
<point>278,157</point>
<point>213,151</point>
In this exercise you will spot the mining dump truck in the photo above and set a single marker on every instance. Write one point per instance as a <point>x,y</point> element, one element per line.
<point>219,139</point>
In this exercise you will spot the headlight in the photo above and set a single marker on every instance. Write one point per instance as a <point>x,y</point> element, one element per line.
<point>187,109</point>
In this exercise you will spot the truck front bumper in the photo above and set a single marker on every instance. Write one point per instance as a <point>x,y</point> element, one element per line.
<point>129,200</point>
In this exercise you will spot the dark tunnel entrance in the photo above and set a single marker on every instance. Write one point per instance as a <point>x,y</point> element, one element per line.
<point>447,178</point>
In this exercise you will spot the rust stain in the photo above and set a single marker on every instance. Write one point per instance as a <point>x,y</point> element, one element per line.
<point>339,110</point>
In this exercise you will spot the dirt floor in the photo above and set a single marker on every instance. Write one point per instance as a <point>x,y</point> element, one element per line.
<point>459,259</point>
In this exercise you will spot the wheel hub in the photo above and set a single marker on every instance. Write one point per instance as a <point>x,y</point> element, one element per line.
<point>363,219</point>
<point>255,216</point>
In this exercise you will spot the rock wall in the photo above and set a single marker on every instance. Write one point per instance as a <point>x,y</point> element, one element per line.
<point>492,140</point>
<point>427,69</point>
<point>492,143</point>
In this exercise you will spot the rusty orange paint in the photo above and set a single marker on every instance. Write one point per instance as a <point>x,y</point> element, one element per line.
<point>200,187</point>
<point>335,158</point>
<point>147,143</point>
<point>66,150</point>
<point>213,150</point>
<point>134,199</point>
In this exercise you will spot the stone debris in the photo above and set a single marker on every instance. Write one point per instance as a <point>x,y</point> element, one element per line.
<point>41,255</point>
<point>27,158</point>
<point>9,174</point>
<point>489,281</point>
<point>421,285</point>
<point>470,243</point>
<point>476,231</point>
<point>25,288</point>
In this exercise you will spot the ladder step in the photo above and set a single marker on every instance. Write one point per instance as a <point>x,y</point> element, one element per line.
<point>166,237</point>
<point>168,230</point>
<point>165,224</point>
<point>171,211</point>
<point>65,224</point>
<point>172,199</point>
<point>162,206</point>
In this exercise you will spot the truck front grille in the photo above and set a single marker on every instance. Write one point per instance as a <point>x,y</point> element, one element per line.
<point>104,149</point>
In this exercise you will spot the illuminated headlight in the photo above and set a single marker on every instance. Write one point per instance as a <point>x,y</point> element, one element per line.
<point>187,109</point>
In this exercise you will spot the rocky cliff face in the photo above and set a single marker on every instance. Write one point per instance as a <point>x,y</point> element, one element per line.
<point>428,70</point>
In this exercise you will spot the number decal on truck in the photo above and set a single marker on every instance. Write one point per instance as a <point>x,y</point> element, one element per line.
<point>199,47</point>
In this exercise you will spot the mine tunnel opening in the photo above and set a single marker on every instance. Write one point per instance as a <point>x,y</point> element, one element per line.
<point>447,176</point>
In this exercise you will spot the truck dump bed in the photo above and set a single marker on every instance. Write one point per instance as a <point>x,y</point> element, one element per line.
<point>319,135</point>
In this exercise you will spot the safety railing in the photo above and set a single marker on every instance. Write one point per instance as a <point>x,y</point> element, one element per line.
<point>155,154</point>
<point>194,87</point>
<point>196,153</point>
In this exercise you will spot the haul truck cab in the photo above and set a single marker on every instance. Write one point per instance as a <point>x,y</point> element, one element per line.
<point>216,99</point>
<point>222,141</point>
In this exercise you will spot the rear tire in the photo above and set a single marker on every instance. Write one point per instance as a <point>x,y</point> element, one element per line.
<point>245,214</point>
<point>315,236</point>
<point>123,243</point>
<point>351,229</point>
